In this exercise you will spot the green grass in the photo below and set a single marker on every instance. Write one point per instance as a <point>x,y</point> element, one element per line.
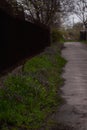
<point>28,98</point>
<point>84,42</point>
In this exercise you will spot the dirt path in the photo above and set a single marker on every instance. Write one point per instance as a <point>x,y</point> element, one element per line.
<point>74,112</point>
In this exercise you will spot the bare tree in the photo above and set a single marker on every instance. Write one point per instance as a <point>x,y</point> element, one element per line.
<point>48,12</point>
<point>13,8</point>
<point>81,11</point>
<point>41,11</point>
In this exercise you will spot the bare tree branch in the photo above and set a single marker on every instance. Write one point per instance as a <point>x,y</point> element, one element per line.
<point>81,11</point>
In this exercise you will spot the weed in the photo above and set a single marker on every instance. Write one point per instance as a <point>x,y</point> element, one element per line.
<point>27,99</point>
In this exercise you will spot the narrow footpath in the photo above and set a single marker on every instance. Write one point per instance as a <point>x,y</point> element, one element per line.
<point>74,112</point>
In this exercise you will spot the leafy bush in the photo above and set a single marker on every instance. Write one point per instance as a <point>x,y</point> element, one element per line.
<point>57,35</point>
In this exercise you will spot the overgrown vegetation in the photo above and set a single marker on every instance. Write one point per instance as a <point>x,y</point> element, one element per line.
<point>57,35</point>
<point>28,98</point>
<point>72,33</point>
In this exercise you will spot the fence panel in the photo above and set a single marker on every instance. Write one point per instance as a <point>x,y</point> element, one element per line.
<point>20,39</point>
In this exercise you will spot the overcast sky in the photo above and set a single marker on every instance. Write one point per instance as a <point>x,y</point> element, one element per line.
<point>71,21</point>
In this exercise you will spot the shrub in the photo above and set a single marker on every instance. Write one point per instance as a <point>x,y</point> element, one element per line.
<point>56,35</point>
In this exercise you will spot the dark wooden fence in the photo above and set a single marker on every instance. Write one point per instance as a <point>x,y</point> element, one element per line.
<point>20,39</point>
<point>83,35</point>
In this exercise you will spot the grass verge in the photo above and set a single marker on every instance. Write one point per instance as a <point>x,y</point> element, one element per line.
<point>28,98</point>
<point>84,42</point>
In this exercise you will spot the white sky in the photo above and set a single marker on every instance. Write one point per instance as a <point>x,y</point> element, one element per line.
<point>71,20</point>
<point>74,19</point>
